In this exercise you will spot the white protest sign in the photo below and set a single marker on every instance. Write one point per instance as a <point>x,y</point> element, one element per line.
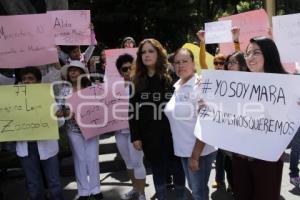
<point>286,34</point>
<point>253,114</point>
<point>218,32</point>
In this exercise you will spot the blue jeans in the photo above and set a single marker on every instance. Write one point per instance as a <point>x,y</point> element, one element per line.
<point>198,180</point>
<point>32,168</point>
<point>160,172</point>
<point>295,155</point>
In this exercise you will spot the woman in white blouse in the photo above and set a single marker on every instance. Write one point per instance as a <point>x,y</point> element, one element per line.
<point>181,110</point>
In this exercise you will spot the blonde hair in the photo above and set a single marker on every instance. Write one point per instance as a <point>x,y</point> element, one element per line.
<point>219,56</point>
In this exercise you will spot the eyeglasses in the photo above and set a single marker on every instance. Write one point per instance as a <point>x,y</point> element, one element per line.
<point>254,53</point>
<point>125,69</point>
<point>219,63</point>
<point>232,63</point>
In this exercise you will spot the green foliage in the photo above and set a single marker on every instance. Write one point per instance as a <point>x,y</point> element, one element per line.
<point>288,6</point>
<point>244,6</point>
<point>166,20</point>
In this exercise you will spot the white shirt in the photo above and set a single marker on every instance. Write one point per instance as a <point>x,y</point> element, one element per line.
<point>6,81</point>
<point>47,148</point>
<point>52,75</point>
<point>181,111</point>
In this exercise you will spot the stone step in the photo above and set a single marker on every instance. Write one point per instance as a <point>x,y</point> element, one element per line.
<point>107,144</point>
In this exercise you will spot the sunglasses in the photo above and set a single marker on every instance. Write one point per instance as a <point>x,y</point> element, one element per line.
<point>219,63</point>
<point>125,69</point>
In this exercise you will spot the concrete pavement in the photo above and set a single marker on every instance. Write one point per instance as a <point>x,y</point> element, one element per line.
<point>115,183</point>
<point>114,180</point>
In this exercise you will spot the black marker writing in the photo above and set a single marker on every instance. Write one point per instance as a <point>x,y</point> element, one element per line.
<point>60,23</point>
<point>5,128</point>
<point>250,92</point>
<point>23,87</point>
<point>261,124</point>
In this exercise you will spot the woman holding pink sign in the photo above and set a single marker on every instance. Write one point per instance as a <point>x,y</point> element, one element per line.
<point>132,157</point>
<point>85,152</point>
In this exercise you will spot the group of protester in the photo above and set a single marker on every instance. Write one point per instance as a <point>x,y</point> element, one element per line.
<point>168,143</point>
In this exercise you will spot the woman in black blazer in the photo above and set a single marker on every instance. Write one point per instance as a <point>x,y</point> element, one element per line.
<point>149,127</point>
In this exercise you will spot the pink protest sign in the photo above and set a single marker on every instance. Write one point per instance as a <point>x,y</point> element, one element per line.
<point>100,108</point>
<point>111,58</point>
<point>26,40</point>
<point>252,23</point>
<point>71,27</point>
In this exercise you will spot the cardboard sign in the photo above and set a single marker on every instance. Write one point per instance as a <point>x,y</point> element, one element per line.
<point>252,23</point>
<point>71,27</point>
<point>218,32</point>
<point>100,108</point>
<point>111,58</point>
<point>286,34</point>
<point>253,114</point>
<point>26,40</point>
<point>26,113</point>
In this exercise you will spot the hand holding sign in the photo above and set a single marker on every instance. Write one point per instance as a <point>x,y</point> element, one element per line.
<point>235,34</point>
<point>23,116</point>
<point>201,36</point>
<point>250,117</point>
<point>252,23</point>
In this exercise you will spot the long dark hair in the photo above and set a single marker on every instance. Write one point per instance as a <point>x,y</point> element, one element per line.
<point>272,63</point>
<point>84,81</point>
<point>161,66</point>
<point>239,56</point>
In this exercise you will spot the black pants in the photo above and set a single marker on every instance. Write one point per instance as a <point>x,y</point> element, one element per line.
<point>256,179</point>
<point>223,164</point>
